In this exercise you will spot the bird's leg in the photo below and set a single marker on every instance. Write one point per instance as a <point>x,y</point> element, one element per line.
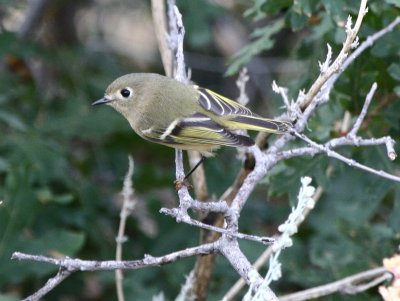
<point>180,183</point>
<point>202,159</point>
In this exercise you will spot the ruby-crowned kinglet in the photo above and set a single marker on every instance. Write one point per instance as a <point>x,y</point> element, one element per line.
<point>166,111</point>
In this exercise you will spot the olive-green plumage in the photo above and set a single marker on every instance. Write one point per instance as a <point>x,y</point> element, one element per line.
<point>163,110</point>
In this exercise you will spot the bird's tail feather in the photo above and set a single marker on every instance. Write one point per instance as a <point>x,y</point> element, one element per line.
<point>257,123</point>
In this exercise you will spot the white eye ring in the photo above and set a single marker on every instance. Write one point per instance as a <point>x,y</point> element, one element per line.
<point>126,92</point>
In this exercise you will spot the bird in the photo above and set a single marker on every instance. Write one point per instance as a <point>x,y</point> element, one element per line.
<point>163,110</point>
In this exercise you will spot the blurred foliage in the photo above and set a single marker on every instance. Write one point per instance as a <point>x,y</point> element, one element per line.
<point>62,162</point>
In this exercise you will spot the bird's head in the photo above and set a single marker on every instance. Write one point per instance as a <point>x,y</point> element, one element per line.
<point>122,93</point>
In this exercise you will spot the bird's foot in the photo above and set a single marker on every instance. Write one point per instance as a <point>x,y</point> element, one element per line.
<point>181,183</point>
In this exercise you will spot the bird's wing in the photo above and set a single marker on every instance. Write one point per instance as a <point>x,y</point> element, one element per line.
<point>195,131</point>
<point>220,105</point>
<point>236,115</point>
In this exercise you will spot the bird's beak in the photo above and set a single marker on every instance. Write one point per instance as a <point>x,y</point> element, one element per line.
<point>101,101</point>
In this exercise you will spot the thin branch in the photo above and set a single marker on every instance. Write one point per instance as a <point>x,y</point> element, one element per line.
<point>128,205</point>
<point>160,28</point>
<point>50,285</point>
<point>74,265</point>
<point>260,169</point>
<point>338,62</point>
<point>243,78</point>
<point>349,285</point>
<point>337,142</point>
<point>35,12</point>
<point>369,41</point>
<point>364,110</point>
<point>351,138</point>
<point>283,92</point>
<point>229,247</point>
<point>177,214</point>
<point>350,162</point>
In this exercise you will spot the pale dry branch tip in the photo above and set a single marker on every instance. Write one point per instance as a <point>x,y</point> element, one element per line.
<point>314,93</point>
<point>323,67</point>
<point>355,43</point>
<point>368,42</point>
<point>364,110</point>
<point>390,148</point>
<point>241,82</point>
<point>348,26</point>
<point>283,92</point>
<point>327,150</point>
<point>275,87</point>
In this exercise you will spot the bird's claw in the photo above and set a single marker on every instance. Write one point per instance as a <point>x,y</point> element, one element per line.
<point>181,183</point>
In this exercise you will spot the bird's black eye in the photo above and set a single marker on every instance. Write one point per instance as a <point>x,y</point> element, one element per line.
<point>125,93</point>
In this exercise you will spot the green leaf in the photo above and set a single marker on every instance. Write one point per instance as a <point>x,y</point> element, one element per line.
<point>45,195</point>
<point>3,164</point>
<point>263,42</point>
<point>394,220</point>
<point>306,7</point>
<point>393,2</point>
<point>12,121</point>
<point>55,242</point>
<point>336,9</point>
<point>325,27</point>
<point>262,8</point>
<point>8,298</point>
<point>297,21</point>
<point>397,90</point>
<point>394,71</point>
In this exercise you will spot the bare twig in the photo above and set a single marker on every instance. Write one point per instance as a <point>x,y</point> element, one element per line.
<point>350,139</point>
<point>283,92</point>
<point>75,265</point>
<point>69,265</point>
<point>369,41</point>
<point>337,142</point>
<point>243,78</point>
<point>36,9</point>
<point>330,69</point>
<point>350,162</point>
<point>177,214</point>
<point>349,285</point>
<point>364,110</point>
<point>127,207</point>
<point>160,28</point>
<point>50,285</point>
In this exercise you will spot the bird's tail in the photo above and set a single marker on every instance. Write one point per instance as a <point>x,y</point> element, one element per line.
<point>257,123</point>
<point>236,116</point>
